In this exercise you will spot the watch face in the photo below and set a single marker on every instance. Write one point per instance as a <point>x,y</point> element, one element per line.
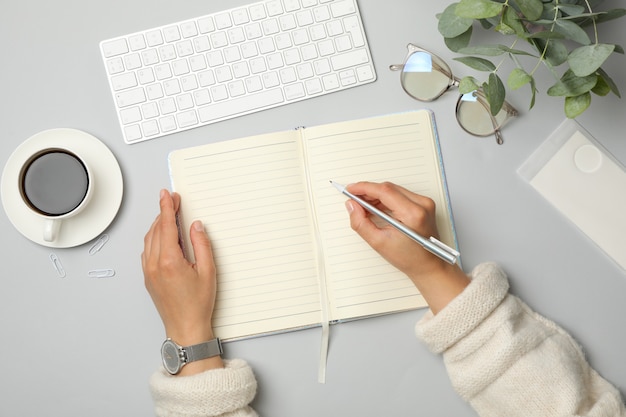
<point>171,357</point>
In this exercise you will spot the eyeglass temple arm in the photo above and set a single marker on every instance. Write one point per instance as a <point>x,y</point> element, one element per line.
<point>400,67</point>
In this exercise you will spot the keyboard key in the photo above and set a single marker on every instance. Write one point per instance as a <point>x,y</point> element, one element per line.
<point>184,102</point>
<point>352,26</point>
<point>114,48</point>
<point>184,48</point>
<point>274,8</point>
<point>188,29</point>
<point>154,38</point>
<point>257,12</point>
<point>132,61</point>
<point>219,39</point>
<point>171,34</point>
<point>321,14</point>
<point>291,5</point>
<point>349,59</point>
<point>186,119</point>
<point>130,115</point>
<point>342,8</point>
<point>163,72</point>
<point>219,92</point>
<point>223,21</point>
<point>149,110</point>
<point>365,73</point>
<point>154,91</point>
<point>206,24</point>
<point>115,66</point>
<point>294,91</point>
<point>145,75</point>
<point>240,16</point>
<point>130,97</point>
<point>331,82</point>
<point>124,81</point>
<point>215,58</point>
<point>202,43</point>
<point>150,128</point>
<point>167,123</point>
<point>137,42</point>
<point>132,132</point>
<point>202,97</point>
<point>313,86</point>
<point>149,57</point>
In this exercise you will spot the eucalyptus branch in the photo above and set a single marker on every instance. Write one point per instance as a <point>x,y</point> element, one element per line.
<point>550,27</point>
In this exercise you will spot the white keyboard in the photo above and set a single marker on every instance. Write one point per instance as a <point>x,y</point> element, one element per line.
<point>234,62</point>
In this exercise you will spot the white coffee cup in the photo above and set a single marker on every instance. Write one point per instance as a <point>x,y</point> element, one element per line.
<point>55,184</point>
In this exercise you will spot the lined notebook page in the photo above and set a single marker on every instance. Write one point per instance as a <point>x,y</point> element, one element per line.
<point>251,196</point>
<point>400,148</point>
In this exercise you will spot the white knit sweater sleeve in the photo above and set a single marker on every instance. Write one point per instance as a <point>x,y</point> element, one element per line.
<point>219,392</point>
<point>506,360</point>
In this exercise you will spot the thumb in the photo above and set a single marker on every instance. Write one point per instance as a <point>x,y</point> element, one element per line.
<point>201,244</point>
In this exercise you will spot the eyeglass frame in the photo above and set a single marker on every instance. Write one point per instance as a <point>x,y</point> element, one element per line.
<point>453,81</point>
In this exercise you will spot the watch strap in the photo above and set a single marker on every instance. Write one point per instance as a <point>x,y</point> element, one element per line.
<point>203,350</point>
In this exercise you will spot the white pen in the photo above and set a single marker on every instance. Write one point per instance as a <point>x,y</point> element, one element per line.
<point>432,245</point>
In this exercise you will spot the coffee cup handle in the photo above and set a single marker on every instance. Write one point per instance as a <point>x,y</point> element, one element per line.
<point>51,229</point>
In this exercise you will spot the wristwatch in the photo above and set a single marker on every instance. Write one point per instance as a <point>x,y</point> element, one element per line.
<point>175,356</point>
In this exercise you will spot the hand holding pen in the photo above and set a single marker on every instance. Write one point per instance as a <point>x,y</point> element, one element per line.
<point>437,280</point>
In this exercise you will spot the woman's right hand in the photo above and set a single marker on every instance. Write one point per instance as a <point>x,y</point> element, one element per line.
<point>437,280</point>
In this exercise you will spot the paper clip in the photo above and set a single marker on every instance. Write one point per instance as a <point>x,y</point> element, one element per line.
<point>56,262</point>
<point>101,273</point>
<point>98,244</point>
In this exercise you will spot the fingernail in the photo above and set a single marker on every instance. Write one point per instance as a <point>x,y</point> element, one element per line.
<point>349,206</point>
<point>162,194</point>
<point>198,226</point>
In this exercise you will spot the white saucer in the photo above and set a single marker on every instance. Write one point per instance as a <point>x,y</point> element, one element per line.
<point>103,205</point>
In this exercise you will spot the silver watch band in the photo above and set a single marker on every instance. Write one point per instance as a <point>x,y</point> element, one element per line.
<point>203,350</point>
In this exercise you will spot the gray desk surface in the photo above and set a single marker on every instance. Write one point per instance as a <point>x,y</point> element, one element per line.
<point>86,347</point>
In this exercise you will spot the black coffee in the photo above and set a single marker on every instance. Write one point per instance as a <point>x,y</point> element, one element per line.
<point>54,182</point>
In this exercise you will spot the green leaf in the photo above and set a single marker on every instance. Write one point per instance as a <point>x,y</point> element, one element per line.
<point>518,78</point>
<point>546,34</point>
<point>556,52</point>
<point>478,9</point>
<point>487,50</point>
<point>602,74</point>
<point>451,25</point>
<point>459,42</point>
<point>570,85</point>
<point>495,93</point>
<point>586,60</point>
<point>468,84</point>
<point>601,88</point>
<point>512,20</point>
<point>576,105</point>
<point>532,9</point>
<point>516,51</point>
<point>572,31</point>
<point>533,90</point>
<point>476,63</point>
<point>505,29</point>
<point>571,9</point>
<point>610,15</point>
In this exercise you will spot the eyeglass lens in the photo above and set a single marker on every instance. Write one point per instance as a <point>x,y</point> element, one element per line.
<point>426,77</point>
<point>474,115</point>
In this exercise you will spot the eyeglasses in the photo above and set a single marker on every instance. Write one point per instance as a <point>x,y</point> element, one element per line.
<point>426,77</point>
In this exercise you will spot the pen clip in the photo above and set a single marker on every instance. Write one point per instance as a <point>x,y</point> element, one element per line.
<point>451,255</point>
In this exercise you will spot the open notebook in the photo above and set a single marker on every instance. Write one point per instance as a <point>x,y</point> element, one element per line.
<point>285,253</point>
